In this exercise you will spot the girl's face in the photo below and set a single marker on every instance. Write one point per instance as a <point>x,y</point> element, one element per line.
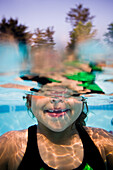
<point>56,112</point>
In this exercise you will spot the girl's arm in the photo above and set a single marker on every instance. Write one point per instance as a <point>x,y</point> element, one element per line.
<point>12,149</point>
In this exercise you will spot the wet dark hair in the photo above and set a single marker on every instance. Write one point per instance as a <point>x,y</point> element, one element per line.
<point>80,120</point>
<point>28,104</point>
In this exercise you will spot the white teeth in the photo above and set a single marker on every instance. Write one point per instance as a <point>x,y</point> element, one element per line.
<point>57,111</point>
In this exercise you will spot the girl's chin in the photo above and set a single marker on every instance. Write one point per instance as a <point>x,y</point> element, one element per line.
<point>57,128</point>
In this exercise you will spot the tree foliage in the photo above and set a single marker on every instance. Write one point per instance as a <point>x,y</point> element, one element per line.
<point>80,19</point>
<point>81,33</point>
<point>12,28</point>
<point>75,15</point>
<point>44,38</point>
<point>109,34</point>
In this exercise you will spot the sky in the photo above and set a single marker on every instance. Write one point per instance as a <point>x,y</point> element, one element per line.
<point>44,13</point>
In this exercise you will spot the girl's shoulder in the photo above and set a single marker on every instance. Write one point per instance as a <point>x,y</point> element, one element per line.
<point>12,148</point>
<point>100,137</point>
<point>104,142</point>
<point>14,136</point>
<point>98,133</point>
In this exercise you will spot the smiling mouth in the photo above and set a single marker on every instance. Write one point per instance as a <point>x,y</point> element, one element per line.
<point>56,112</point>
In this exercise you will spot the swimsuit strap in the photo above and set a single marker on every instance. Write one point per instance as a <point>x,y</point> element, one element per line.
<point>91,153</point>
<point>30,159</point>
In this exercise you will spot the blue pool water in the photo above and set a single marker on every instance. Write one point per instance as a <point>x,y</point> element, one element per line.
<point>14,114</point>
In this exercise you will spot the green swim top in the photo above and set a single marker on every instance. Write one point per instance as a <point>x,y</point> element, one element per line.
<point>87,167</point>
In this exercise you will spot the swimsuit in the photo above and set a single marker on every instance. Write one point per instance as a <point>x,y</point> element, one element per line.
<point>32,161</point>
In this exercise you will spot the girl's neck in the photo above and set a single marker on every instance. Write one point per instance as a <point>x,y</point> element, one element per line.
<point>62,138</point>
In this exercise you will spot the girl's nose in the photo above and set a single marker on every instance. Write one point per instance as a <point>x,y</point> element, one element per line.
<point>55,101</point>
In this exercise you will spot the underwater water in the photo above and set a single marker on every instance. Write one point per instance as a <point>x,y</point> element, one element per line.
<point>14,114</point>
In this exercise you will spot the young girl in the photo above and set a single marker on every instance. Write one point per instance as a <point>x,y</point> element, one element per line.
<point>60,140</point>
